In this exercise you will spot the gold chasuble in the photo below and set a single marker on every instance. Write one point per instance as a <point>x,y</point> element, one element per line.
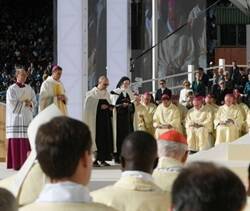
<point>228,123</point>
<point>167,118</point>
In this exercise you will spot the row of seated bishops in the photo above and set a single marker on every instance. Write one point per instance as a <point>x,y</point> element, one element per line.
<point>205,123</point>
<point>154,177</point>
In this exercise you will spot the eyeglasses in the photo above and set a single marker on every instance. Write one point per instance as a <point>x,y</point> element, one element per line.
<point>105,84</point>
<point>162,83</point>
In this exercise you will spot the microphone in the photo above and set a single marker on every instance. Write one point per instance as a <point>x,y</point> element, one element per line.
<point>132,65</point>
<point>114,93</point>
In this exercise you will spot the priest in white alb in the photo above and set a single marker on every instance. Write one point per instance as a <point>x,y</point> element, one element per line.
<point>151,108</point>
<point>228,121</point>
<point>199,126</point>
<point>20,104</point>
<point>52,91</point>
<point>141,114</point>
<point>167,117</point>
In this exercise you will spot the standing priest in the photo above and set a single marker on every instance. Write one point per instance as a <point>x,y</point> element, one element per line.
<point>52,91</point>
<point>98,116</point>
<point>20,102</point>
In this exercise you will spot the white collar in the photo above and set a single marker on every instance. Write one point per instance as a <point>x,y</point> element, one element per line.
<point>69,192</point>
<point>50,78</point>
<point>138,174</point>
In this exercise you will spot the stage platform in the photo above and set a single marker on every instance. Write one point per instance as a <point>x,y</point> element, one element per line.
<point>100,177</point>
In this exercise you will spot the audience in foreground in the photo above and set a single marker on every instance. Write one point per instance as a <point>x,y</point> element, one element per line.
<point>135,190</point>
<point>203,186</point>
<point>7,201</point>
<point>172,152</point>
<point>64,153</point>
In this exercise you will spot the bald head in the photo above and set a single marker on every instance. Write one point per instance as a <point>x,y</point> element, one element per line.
<point>139,152</point>
<point>102,78</point>
<point>103,82</point>
<point>229,99</point>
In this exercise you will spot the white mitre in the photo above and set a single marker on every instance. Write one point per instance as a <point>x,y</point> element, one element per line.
<point>43,117</point>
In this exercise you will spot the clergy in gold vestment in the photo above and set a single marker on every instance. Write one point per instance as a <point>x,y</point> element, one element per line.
<point>52,91</point>
<point>135,190</point>
<point>172,152</point>
<point>183,110</point>
<point>248,121</point>
<point>199,126</point>
<point>243,107</point>
<point>141,115</point>
<point>209,103</point>
<point>228,121</point>
<point>61,138</point>
<point>150,108</point>
<point>167,117</point>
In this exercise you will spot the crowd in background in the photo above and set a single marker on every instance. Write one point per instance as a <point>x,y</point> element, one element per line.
<point>25,40</point>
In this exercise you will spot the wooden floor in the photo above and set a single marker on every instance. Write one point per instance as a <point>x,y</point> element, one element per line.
<point>2,152</point>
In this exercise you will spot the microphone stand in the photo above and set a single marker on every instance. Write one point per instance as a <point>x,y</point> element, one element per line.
<point>133,60</point>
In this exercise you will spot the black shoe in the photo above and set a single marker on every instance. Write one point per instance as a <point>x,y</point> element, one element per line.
<point>117,161</point>
<point>190,152</point>
<point>103,163</point>
<point>96,164</point>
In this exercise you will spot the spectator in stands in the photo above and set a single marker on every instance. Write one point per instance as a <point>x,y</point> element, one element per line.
<point>26,39</point>
<point>167,117</point>
<point>190,96</point>
<point>7,201</point>
<point>228,121</point>
<point>247,91</point>
<point>161,91</point>
<point>215,77</point>
<point>234,71</point>
<point>241,80</point>
<point>183,93</point>
<point>220,93</point>
<point>204,76</point>
<point>199,126</point>
<point>60,138</point>
<point>229,84</point>
<point>135,190</point>
<point>214,81</point>
<point>221,74</point>
<point>172,152</point>
<point>20,104</point>
<point>198,86</point>
<point>204,187</point>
